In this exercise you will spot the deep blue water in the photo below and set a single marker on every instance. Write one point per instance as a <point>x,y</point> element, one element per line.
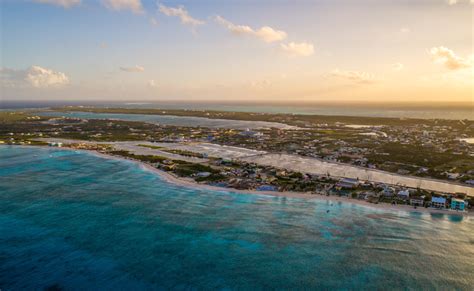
<point>76,221</point>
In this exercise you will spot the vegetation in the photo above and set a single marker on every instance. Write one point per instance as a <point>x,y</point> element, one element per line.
<point>291,119</point>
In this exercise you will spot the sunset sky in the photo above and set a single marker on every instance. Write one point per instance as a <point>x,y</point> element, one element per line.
<point>331,50</point>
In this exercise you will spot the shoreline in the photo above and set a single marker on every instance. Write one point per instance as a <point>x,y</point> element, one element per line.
<point>188,183</point>
<point>297,163</point>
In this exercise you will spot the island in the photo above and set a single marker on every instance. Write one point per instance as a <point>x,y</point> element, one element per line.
<point>415,162</point>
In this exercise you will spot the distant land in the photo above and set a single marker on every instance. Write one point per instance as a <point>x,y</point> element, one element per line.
<point>439,110</point>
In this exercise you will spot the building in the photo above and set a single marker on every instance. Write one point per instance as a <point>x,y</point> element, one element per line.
<point>458,204</point>
<point>388,191</point>
<point>438,202</point>
<point>404,194</point>
<point>347,183</point>
<point>55,144</point>
<point>470,182</point>
<point>417,201</point>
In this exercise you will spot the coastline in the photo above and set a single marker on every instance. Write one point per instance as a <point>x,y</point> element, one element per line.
<point>188,183</point>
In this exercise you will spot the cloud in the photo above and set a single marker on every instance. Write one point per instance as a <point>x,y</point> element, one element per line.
<point>302,49</point>
<point>354,76</point>
<point>133,5</point>
<point>448,58</point>
<point>34,76</point>
<point>182,13</point>
<point>405,30</point>
<point>135,69</point>
<point>63,3</point>
<point>264,33</point>
<point>397,67</point>
<point>43,78</point>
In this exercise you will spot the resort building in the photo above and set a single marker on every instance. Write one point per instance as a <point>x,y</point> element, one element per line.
<point>438,202</point>
<point>458,204</point>
<point>417,201</point>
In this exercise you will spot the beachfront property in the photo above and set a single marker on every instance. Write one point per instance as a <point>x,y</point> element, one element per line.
<point>417,201</point>
<point>347,183</point>
<point>55,144</point>
<point>388,191</point>
<point>404,194</point>
<point>438,202</point>
<point>458,204</point>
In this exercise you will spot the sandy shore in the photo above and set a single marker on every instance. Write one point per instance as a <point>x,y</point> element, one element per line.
<point>189,183</point>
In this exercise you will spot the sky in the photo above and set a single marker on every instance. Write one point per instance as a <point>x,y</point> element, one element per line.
<point>231,51</point>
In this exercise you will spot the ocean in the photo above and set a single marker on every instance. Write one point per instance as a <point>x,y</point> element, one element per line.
<point>423,111</point>
<point>75,221</point>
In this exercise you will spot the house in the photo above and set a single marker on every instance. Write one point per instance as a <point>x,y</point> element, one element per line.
<point>55,144</point>
<point>404,194</point>
<point>458,204</point>
<point>470,182</point>
<point>203,174</point>
<point>250,133</point>
<point>417,201</point>
<point>388,191</point>
<point>438,202</point>
<point>347,183</point>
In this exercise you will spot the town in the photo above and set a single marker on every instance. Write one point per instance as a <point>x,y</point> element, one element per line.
<point>408,149</point>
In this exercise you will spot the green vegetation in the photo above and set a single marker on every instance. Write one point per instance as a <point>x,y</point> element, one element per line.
<point>189,169</point>
<point>143,158</point>
<point>416,155</point>
<point>291,119</point>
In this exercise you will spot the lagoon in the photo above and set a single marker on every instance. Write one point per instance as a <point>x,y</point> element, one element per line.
<point>172,120</point>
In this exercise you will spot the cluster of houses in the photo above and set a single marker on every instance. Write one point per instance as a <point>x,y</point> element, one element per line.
<point>409,196</point>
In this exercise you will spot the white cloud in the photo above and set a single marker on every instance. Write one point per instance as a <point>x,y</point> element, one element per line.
<point>264,33</point>
<point>354,76</point>
<point>302,49</point>
<point>448,58</point>
<point>133,5</point>
<point>42,78</point>
<point>135,69</point>
<point>180,12</point>
<point>63,3</point>
<point>405,30</point>
<point>397,66</point>
<point>34,76</point>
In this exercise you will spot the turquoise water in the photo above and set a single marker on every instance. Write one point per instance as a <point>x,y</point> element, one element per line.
<point>76,221</point>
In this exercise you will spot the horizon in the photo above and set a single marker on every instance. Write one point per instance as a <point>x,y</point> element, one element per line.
<point>369,52</point>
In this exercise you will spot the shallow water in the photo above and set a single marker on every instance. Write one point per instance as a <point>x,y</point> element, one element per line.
<point>190,121</point>
<point>77,221</point>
